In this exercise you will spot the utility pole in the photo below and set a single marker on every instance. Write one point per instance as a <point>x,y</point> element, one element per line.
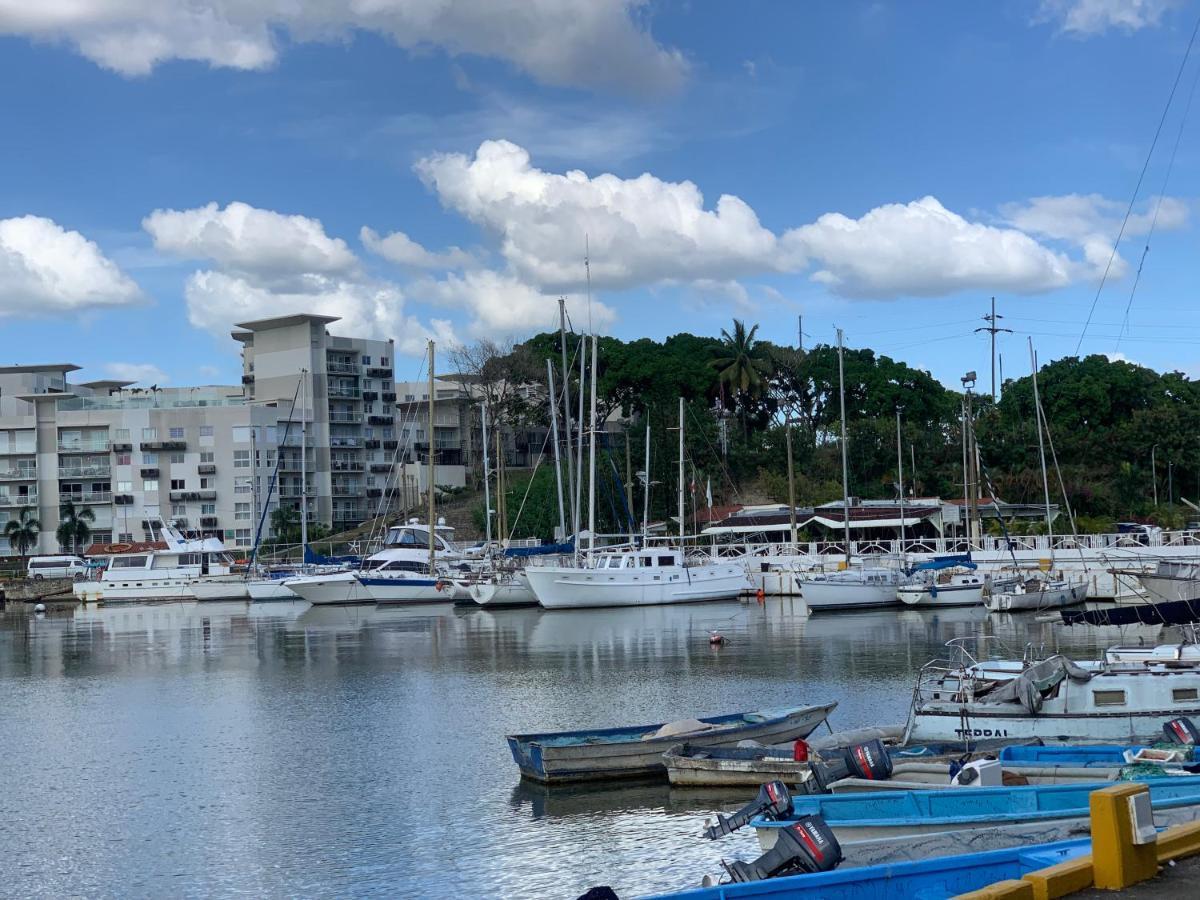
<point>799,337</point>
<point>791,475</point>
<point>1154,475</point>
<point>991,329</point>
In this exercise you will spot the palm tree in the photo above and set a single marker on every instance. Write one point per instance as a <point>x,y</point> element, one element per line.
<point>74,526</point>
<point>22,532</point>
<point>741,368</point>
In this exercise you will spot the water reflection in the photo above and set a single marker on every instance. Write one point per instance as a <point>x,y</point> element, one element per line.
<point>189,748</point>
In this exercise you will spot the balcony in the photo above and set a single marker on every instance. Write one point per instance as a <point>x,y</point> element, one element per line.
<point>389,397</point>
<point>380,420</point>
<point>96,471</point>
<point>208,521</point>
<point>184,496</point>
<point>345,393</point>
<point>18,500</point>
<point>378,468</point>
<point>345,417</point>
<point>379,372</point>
<point>390,445</point>
<point>341,368</point>
<point>345,465</point>
<point>247,379</point>
<point>83,446</point>
<point>121,447</point>
<point>174,444</point>
<point>86,497</point>
<point>123,499</point>
<point>371,444</point>
<point>339,441</point>
<point>207,469</point>
<point>370,396</point>
<point>19,474</point>
<point>147,472</point>
<point>347,489</point>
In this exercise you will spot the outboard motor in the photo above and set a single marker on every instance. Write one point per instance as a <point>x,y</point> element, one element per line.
<point>773,801</point>
<point>804,846</point>
<point>1182,731</point>
<point>870,761</point>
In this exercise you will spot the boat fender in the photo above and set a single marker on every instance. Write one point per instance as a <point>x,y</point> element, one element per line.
<point>800,750</point>
<point>1182,731</point>
<point>716,638</point>
<point>438,586</point>
<point>804,846</point>
<point>761,596</point>
<point>773,802</point>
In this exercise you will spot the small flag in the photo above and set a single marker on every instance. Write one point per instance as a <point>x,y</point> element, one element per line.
<point>708,493</point>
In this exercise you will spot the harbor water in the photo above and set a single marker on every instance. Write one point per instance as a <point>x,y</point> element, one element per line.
<point>276,749</point>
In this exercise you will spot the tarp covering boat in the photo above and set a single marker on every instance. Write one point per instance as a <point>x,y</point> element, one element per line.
<point>541,550</point>
<point>1174,612</point>
<point>955,560</point>
<point>1028,687</point>
<point>312,558</point>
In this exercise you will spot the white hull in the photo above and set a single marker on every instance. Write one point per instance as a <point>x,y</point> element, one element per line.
<point>230,588</point>
<point>397,591</point>
<point>950,595</point>
<point>1164,589</point>
<point>832,595</point>
<point>269,589</point>
<point>568,587</point>
<point>514,592</point>
<point>1053,598</point>
<point>134,591</point>
<point>336,588</point>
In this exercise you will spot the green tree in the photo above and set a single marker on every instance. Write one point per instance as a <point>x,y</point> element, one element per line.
<point>74,526</point>
<point>741,369</point>
<point>22,532</point>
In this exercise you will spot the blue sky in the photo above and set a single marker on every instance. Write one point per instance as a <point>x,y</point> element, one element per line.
<point>169,169</point>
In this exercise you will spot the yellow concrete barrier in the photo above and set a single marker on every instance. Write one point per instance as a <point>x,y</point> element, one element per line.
<point>1118,862</point>
<point>1062,879</point>
<point>1001,890</point>
<point>1179,841</point>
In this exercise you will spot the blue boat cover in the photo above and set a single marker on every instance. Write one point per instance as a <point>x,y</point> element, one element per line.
<point>313,558</point>
<point>541,550</point>
<point>943,562</point>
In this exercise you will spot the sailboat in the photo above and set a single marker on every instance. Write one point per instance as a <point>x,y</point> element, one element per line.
<point>632,576</point>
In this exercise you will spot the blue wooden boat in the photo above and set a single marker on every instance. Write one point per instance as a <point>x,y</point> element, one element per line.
<point>899,814</point>
<point>944,876</point>
<point>1087,756</point>
<point>637,751</point>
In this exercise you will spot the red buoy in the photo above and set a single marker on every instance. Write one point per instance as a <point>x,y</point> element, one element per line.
<point>800,751</point>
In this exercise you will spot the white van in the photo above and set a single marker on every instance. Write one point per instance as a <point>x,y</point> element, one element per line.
<point>56,567</point>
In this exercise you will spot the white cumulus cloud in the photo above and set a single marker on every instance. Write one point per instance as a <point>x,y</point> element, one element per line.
<point>399,248</point>
<point>246,239</point>
<point>1086,18</point>
<point>590,43</point>
<point>46,269</point>
<point>141,373</point>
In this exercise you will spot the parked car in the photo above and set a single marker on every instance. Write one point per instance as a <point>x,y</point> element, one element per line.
<point>56,567</point>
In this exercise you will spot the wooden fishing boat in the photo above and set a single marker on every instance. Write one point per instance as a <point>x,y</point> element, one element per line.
<point>637,751</point>
<point>942,876</point>
<point>901,814</point>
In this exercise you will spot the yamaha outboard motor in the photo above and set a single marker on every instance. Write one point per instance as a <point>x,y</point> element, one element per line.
<point>870,761</point>
<point>806,845</point>
<point>773,801</point>
<point>1182,731</point>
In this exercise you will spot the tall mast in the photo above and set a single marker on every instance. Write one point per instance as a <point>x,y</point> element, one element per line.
<point>592,458</point>
<point>432,511</point>
<point>487,493</point>
<point>966,477</point>
<point>303,462</point>
<point>646,493</point>
<point>566,379</point>
<point>900,475</point>
<point>682,512</point>
<point>845,464</point>
<point>791,485</point>
<point>1037,411</point>
<point>579,445</point>
<point>562,518</point>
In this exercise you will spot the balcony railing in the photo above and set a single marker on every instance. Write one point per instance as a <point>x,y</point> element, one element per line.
<point>207,469</point>
<point>377,419</point>
<point>345,465</point>
<point>381,467</point>
<point>345,417</point>
<point>83,471</point>
<point>379,372</point>
<point>18,500</point>
<point>345,393</point>
<point>83,446</point>
<point>185,495</point>
<point>22,474</point>
<point>123,499</point>
<point>172,444</point>
<point>338,441</point>
<point>341,368</point>
<point>86,497</point>
<point>121,446</point>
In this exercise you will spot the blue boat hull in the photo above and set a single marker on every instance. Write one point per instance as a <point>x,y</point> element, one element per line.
<point>945,876</point>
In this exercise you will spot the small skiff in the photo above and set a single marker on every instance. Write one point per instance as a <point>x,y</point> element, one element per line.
<point>637,751</point>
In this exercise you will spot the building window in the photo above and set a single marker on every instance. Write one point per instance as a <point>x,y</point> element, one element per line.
<point>124,487</point>
<point>149,434</point>
<point>176,434</point>
<point>366,360</point>
<point>242,536</point>
<point>121,434</point>
<point>179,509</point>
<point>387,384</point>
<point>205,484</point>
<point>242,486</point>
<point>126,537</point>
<point>177,484</point>
<point>241,459</point>
<point>241,510</point>
<point>208,509</point>
<point>150,459</point>
<point>383,361</point>
<point>150,485</point>
<point>206,431</point>
<point>124,459</point>
<point>176,458</point>
<point>207,456</point>
<point>368,431</point>
<point>241,434</point>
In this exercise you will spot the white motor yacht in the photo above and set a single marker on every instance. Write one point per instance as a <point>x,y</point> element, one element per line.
<point>635,578</point>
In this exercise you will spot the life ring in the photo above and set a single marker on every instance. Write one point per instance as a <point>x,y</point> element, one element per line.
<point>119,548</point>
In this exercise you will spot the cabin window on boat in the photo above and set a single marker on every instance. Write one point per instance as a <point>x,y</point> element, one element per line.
<point>128,562</point>
<point>189,559</point>
<point>666,561</point>
<point>1109,698</point>
<point>1181,694</point>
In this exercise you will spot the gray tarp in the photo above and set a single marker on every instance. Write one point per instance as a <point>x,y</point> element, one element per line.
<point>1027,687</point>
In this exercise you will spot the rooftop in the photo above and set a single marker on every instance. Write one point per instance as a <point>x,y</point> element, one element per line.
<point>284,322</point>
<point>39,369</point>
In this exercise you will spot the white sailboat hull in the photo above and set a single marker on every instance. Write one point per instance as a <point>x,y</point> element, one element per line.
<point>269,589</point>
<point>1051,598</point>
<point>337,588</point>
<point>513,592</point>
<point>832,595</point>
<point>399,591</point>
<point>950,595</point>
<point>568,587</point>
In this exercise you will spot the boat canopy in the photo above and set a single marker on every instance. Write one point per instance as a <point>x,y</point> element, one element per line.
<point>312,558</point>
<point>1030,687</point>
<point>955,560</point>
<point>541,550</point>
